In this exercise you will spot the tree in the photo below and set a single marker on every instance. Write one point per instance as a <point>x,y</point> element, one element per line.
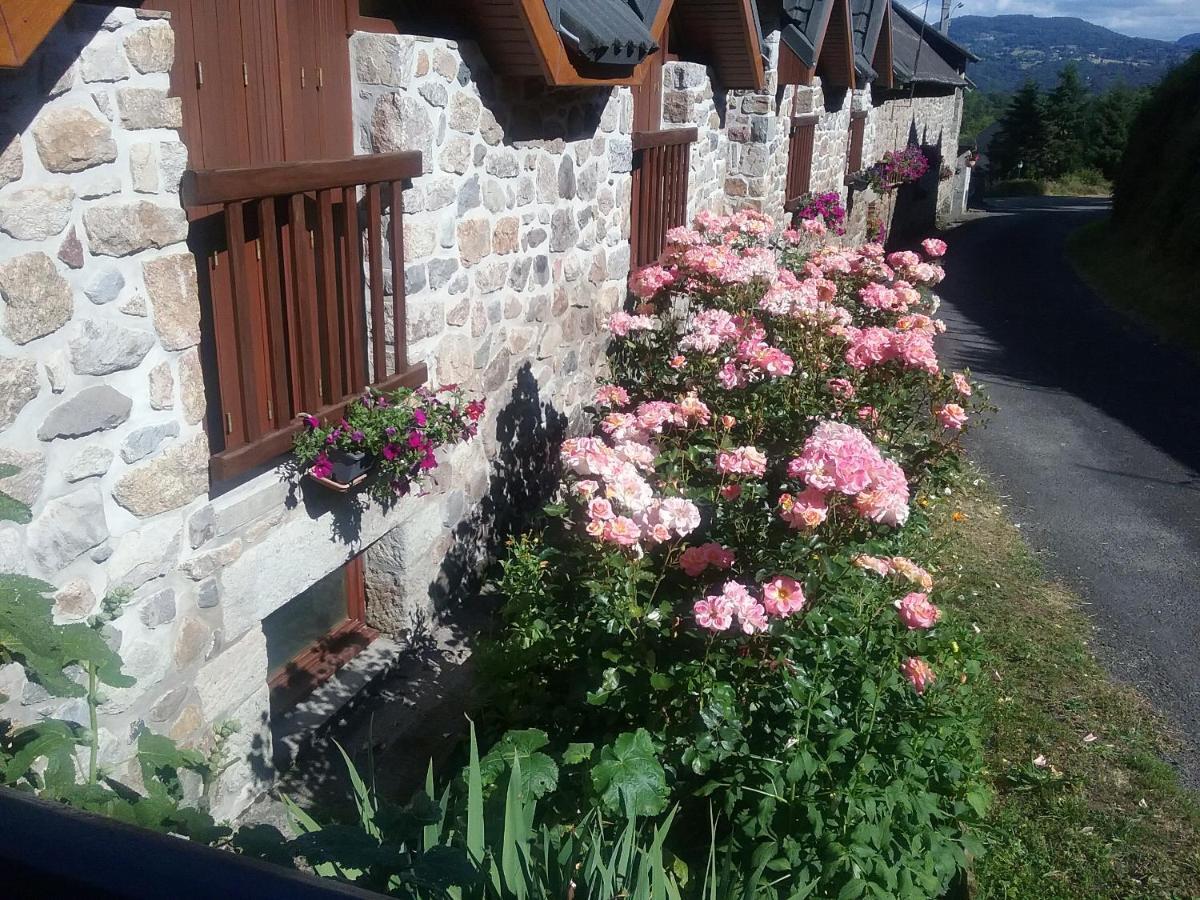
<point>1065,116</point>
<point>1021,142</point>
<point>1110,117</point>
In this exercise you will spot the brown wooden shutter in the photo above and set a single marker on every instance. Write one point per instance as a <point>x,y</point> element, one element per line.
<point>858,124</point>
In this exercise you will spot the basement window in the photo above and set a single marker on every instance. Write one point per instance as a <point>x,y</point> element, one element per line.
<point>316,633</point>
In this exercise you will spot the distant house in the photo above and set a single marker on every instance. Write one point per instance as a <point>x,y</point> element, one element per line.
<point>218,214</point>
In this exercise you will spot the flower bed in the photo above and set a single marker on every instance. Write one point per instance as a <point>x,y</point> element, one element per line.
<point>725,570</point>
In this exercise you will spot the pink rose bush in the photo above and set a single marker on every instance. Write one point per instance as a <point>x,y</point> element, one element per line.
<point>732,534</point>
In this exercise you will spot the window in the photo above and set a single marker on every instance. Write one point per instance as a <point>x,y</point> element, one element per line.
<point>316,633</point>
<point>858,124</point>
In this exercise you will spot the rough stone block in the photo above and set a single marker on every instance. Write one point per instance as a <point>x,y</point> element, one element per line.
<point>169,481</point>
<point>120,229</point>
<point>149,108</point>
<point>171,282</point>
<point>97,408</point>
<point>151,48</point>
<point>144,441</point>
<point>36,213</point>
<point>101,347</point>
<point>18,385</point>
<point>67,527</point>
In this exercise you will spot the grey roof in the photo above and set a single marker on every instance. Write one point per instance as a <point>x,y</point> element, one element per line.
<point>866,21</point>
<point>923,54</point>
<point>607,32</point>
<point>802,20</point>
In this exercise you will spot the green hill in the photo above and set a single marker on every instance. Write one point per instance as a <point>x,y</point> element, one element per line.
<point>1013,48</point>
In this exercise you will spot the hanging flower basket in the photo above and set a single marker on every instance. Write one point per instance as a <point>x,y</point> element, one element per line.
<point>386,442</point>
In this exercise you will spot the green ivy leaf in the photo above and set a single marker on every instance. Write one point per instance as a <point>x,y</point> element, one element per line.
<point>629,777</point>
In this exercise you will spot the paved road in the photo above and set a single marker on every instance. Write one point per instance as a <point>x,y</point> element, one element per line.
<point>1097,442</point>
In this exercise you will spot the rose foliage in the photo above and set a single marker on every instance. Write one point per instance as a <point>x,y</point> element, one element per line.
<point>727,569</point>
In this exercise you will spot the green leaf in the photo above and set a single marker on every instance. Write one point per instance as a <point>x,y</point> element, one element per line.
<point>539,773</point>
<point>629,777</point>
<point>444,867</point>
<point>160,761</point>
<point>474,804</point>
<point>577,753</point>
<point>53,739</point>
<point>13,510</point>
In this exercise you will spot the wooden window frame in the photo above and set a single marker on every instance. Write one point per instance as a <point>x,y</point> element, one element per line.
<point>801,147</point>
<point>856,137</point>
<point>291,682</point>
<point>280,344</point>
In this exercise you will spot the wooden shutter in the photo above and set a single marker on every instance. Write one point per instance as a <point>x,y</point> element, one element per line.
<point>854,158</point>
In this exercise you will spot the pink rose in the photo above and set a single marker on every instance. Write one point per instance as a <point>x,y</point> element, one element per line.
<point>916,612</point>
<point>919,673</point>
<point>874,564</point>
<point>713,613</point>
<point>961,384</point>
<point>599,508</point>
<point>952,416</point>
<point>783,596</point>
<point>731,491</point>
<point>933,247</point>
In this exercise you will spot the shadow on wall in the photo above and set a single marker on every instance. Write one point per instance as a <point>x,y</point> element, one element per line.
<point>25,91</point>
<point>523,476</point>
<point>414,713</point>
<point>914,213</point>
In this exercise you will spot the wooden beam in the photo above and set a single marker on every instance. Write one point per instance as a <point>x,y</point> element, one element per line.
<point>835,55</point>
<point>23,26</point>
<point>255,182</point>
<point>557,65</point>
<point>882,59</point>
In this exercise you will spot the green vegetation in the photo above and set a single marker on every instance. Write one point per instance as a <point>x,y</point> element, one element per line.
<point>1084,183</point>
<point>1086,808</point>
<point>1131,274</point>
<point>1065,135</point>
<point>980,109</point>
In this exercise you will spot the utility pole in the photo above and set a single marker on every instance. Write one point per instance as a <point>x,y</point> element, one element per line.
<point>944,22</point>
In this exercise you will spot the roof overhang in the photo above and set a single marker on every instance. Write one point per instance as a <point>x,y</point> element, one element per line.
<point>23,26</point>
<point>724,34</point>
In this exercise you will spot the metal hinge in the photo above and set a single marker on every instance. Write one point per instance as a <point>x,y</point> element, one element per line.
<point>320,77</point>
<point>199,74</point>
<point>270,410</point>
<point>258,248</point>
<point>302,76</point>
<point>245,76</point>
<point>228,423</point>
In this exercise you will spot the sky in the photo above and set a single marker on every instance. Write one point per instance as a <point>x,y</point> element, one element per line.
<point>1162,19</point>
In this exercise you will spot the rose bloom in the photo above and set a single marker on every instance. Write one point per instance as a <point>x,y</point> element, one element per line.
<point>952,416</point>
<point>599,508</point>
<point>875,564</point>
<point>961,384</point>
<point>695,560</point>
<point>731,491</point>
<point>623,531</point>
<point>933,247</point>
<point>714,613</point>
<point>680,515</point>
<point>917,612</point>
<point>585,488</point>
<point>919,673</point>
<point>783,596</point>
<point>727,422</point>
<point>808,510</point>
<point>841,388</point>
<point>611,395</point>
<point>906,568</point>
<point>677,362</point>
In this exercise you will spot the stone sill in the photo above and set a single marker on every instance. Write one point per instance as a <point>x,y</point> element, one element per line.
<point>295,730</point>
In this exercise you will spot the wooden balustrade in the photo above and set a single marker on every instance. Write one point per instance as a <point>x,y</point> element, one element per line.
<point>661,163</point>
<point>800,159</point>
<point>299,322</point>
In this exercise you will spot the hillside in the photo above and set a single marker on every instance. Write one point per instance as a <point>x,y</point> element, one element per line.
<point>1013,48</point>
<point>1190,41</point>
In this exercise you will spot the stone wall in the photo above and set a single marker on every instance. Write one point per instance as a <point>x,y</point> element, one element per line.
<point>516,248</point>
<point>689,99</point>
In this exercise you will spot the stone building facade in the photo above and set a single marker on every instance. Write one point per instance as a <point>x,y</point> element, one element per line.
<point>516,238</point>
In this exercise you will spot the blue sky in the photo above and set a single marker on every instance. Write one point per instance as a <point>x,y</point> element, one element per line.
<point>1162,19</point>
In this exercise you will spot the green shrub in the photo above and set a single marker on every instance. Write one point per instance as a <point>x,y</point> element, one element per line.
<point>702,575</point>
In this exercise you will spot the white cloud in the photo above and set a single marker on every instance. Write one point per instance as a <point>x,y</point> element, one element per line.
<point>1162,19</point>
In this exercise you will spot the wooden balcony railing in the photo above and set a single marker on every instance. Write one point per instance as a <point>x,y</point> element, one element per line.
<point>300,323</point>
<point>660,189</point>
<point>800,159</point>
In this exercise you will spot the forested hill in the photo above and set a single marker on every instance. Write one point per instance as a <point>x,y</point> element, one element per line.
<point>1013,48</point>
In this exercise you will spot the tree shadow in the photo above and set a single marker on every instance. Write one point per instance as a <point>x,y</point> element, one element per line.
<point>414,713</point>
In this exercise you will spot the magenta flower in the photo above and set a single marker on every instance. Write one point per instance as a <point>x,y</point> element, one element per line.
<point>322,467</point>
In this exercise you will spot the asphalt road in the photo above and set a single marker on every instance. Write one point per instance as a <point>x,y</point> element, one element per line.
<point>1097,442</point>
